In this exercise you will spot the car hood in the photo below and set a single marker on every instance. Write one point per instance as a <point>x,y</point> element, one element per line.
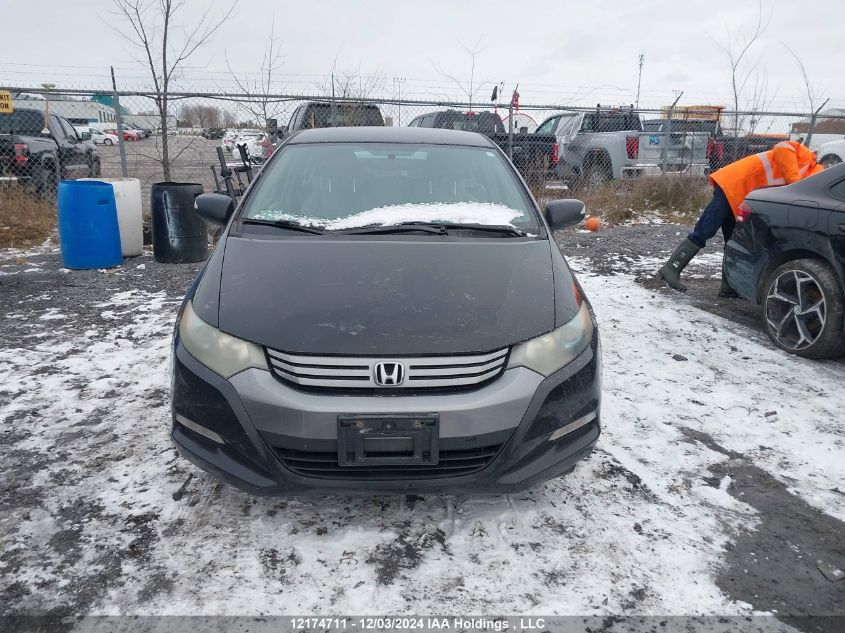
<point>385,296</point>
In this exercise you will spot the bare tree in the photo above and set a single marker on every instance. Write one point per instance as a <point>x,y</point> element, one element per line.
<point>809,87</point>
<point>163,47</point>
<point>259,105</point>
<point>466,84</point>
<point>737,48</point>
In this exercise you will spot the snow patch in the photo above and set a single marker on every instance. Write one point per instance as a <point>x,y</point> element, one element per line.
<point>458,213</point>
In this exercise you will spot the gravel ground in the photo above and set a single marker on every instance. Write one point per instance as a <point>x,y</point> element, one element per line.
<point>715,489</point>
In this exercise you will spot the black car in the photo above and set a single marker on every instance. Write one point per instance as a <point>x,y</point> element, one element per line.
<point>213,133</point>
<point>788,256</point>
<point>40,156</point>
<point>386,310</point>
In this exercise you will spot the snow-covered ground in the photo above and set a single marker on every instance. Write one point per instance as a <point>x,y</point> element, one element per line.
<point>100,515</point>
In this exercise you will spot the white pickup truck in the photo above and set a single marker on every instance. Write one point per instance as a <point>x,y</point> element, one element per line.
<point>600,145</point>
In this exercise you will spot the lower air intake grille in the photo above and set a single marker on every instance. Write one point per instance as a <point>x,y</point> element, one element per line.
<point>323,465</point>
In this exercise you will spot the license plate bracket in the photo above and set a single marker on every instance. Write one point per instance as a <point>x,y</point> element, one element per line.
<point>388,440</point>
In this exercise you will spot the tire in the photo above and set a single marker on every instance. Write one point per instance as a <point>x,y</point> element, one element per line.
<point>593,177</point>
<point>47,182</point>
<point>830,160</point>
<point>802,309</point>
<point>108,142</point>
<point>94,168</point>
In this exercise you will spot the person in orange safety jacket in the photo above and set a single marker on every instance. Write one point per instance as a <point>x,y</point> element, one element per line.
<point>785,163</point>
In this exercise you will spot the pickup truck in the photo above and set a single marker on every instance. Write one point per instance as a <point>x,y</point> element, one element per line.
<point>600,145</point>
<point>346,114</point>
<point>534,154</point>
<point>40,158</point>
<point>695,145</point>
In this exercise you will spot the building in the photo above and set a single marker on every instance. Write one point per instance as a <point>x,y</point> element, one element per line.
<point>77,111</point>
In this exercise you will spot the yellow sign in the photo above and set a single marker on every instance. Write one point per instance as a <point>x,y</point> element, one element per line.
<point>6,106</point>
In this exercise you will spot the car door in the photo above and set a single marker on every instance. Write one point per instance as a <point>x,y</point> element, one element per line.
<point>71,150</point>
<point>837,223</point>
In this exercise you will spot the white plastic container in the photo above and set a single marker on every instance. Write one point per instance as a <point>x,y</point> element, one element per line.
<point>127,195</point>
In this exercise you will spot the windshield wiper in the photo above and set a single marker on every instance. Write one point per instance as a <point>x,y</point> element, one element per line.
<point>284,224</point>
<point>403,227</point>
<point>437,228</point>
<point>504,229</point>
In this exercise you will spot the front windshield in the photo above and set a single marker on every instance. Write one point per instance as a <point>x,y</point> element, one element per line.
<point>336,186</point>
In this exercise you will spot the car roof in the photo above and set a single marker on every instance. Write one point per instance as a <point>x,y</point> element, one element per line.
<point>435,136</point>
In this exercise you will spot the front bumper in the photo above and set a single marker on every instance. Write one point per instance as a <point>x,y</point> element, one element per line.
<point>516,420</point>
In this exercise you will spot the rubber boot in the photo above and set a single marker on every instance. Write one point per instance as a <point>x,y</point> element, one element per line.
<point>670,272</point>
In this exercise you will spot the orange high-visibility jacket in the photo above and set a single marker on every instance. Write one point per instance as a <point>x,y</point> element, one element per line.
<point>785,163</point>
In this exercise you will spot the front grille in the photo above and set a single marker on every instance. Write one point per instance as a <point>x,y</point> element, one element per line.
<point>419,372</point>
<point>323,465</point>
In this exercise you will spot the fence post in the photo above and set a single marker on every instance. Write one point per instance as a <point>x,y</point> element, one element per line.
<point>667,139</point>
<point>333,105</point>
<point>121,144</point>
<point>510,130</point>
<point>813,124</point>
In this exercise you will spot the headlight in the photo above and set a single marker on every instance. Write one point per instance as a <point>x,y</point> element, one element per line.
<point>221,353</point>
<point>548,353</point>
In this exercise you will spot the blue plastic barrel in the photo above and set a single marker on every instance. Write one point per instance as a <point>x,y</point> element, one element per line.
<point>88,230</point>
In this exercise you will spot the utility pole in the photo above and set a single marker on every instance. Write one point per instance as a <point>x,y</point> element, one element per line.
<point>640,79</point>
<point>47,88</point>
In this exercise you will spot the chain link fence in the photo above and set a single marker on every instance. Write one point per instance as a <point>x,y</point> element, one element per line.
<point>66,133</point>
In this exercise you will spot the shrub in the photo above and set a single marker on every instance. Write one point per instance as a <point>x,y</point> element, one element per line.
<point>25,218</point>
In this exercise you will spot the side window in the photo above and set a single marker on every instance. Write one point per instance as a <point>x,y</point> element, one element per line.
<point>56,128</point>
<point>428,120</point>
<point>292,122</point>
<point>838,190</point>
<point>69,131</point>
<point>548,127</point>
<point>414,123</point>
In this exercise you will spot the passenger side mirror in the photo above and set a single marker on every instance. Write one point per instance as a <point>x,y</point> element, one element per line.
<point>214,207</point>
<point>561,214</point>
<point>86,136</point>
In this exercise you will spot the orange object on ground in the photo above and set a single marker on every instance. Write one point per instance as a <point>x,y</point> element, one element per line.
<point>785,163</point>
<point>592,224</point>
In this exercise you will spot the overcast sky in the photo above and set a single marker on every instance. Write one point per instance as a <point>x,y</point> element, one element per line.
<point>559,51</point>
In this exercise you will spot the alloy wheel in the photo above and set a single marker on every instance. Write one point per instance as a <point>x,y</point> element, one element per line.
<point>796,309</point>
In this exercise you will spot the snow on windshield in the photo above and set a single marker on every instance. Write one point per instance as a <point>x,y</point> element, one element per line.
<point>458,213</point>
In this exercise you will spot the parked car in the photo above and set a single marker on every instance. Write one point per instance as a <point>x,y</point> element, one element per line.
<point>335,348</point>
<point>142,132</point>
<point>788,257</point>
<point>531,151</point>
<point>228,140</point>
<point>39,158</point>
<point>213,133</point>
<point>103,138</point>
<point>245,139</point>
<point>831,153</point>
<point>259,148</point>
<point>314,114</point>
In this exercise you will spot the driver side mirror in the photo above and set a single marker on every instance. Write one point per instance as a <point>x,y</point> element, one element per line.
<point>561,214</point>
<point>214,207</point>
<point>85,136</point>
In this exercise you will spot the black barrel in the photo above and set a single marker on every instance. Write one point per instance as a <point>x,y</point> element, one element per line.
<point>179,234</point>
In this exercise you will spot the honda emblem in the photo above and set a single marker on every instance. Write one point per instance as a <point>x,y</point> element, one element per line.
<point>389,374</point>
